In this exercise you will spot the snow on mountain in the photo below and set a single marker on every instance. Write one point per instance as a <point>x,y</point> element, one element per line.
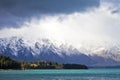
<point>44,49</point>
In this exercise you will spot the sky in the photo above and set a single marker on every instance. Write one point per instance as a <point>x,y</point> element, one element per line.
<point>73,22</point>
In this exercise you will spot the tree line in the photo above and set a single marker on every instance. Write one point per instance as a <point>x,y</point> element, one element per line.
<point>8,63</point>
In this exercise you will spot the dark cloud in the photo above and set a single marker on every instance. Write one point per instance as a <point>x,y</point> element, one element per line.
<point>116,11</point>
<point>14,12</point>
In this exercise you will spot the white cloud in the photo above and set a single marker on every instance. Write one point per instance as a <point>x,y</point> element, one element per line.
<point>94,26</point>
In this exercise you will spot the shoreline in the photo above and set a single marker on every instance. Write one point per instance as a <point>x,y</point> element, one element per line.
<point>39,69</point>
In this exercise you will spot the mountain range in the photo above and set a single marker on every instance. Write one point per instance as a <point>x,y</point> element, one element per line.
<point>43,49</point>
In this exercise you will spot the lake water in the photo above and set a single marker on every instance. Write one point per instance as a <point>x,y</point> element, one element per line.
<point>90,74</point>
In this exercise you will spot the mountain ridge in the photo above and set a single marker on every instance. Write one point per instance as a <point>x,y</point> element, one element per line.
<point>44,49</point>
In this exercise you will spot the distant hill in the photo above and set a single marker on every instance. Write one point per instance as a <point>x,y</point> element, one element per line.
<point>8,63</point>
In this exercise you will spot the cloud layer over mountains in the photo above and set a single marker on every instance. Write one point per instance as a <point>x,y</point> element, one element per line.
<point>74,22</point>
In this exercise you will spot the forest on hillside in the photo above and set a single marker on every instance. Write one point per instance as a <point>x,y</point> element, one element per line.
<point>8,63</point>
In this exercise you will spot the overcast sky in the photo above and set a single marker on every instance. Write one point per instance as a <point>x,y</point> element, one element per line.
<point>68,21</point>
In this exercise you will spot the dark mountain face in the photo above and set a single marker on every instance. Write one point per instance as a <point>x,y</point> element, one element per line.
<point>23,50</point>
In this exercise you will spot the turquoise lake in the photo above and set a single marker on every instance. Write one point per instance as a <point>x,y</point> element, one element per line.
<point>90,74</point>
